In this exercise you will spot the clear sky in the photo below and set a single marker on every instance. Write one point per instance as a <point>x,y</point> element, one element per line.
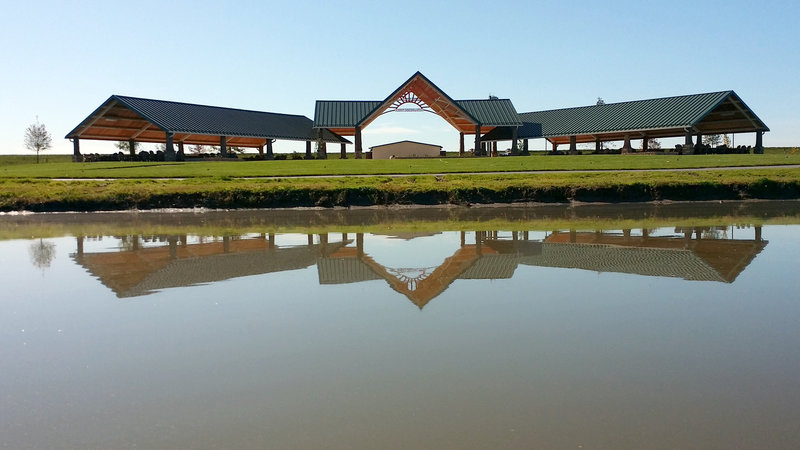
<point>62,59</point>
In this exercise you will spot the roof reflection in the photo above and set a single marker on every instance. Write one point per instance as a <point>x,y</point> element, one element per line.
<point>705,254</point>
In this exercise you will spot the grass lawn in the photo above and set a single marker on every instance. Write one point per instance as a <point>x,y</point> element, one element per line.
<point>52,195</point>
<point>58,166</point>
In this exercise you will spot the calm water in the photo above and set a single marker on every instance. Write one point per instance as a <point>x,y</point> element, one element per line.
<point>596,327</point>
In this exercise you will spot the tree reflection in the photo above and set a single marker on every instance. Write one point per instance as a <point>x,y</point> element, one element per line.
<point>42,253</point>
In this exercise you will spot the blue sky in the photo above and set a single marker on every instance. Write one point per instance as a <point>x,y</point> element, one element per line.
<point>64,58</point>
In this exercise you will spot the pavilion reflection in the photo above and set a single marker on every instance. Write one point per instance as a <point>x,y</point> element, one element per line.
<point>140,268</point>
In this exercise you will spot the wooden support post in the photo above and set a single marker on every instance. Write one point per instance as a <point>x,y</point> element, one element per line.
<point>226,244</point>
<point>494,149</point>
<point>223,146</point>
<point>525,150</point>
<point>308,150</point>
<point>76,150</point>
<point>261,151</point>
<point>173,247</point>
<point>358,142</point>
<point>181,153</point>
<point>688,145</point>
<point>270,155</point>
<point>573,236</point>
<point>460,144</point>
<point>323,243</point>
<point>169,153</point>
<point>132,147</point>
<point>79,243</point>
<point>759,148</point>
<point>360,243</point>
<point>573,146</point>
<point>699,140</point>
<point>343,151</point>
<point>477,150</point>
<point>758,233</point>
<point>626,145</point>
<point>644,144</point>
<point>555,146</point>
<point>514,141</point>
<point>597,145</point>
<point>271,240</point>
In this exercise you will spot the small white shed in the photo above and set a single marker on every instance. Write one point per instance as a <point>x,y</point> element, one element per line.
<point>405,149</point>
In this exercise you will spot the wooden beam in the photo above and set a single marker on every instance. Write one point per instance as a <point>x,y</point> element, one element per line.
<point>97,117</point>
<point>141,130</point>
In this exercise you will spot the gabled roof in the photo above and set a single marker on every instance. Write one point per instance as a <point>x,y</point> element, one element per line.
<point>709,113</point>
<point>123,118</point>
<point>464,115</point>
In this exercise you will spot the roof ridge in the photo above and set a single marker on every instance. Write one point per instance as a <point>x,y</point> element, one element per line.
<point>122,97</point>
<point>483,100</point>
<point>630,101</point>
<point>350,101</point>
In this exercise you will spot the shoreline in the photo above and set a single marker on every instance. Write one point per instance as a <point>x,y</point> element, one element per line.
<point>234,197</point>
<point>552,188</point>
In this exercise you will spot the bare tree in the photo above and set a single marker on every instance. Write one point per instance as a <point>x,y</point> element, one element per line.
<point>37,138</point>
<point>197,149</point>
<point>42,253</point>
<point>653,144</point>
<point>600,101</point>
<point>712,140</point>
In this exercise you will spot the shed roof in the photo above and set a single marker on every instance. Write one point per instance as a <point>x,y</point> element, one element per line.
<point>147,120</point>
<point>709,113</point>
<point>406,142</point>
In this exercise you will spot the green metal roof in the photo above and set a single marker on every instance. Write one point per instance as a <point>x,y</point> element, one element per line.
<point>349,113</point>
<point>342,113</point>
<point>178,117</point>
<point>662,113</point>
<point>493,112</point>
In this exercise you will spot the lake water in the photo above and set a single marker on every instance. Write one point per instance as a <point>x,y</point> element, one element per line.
<point>555,327</point>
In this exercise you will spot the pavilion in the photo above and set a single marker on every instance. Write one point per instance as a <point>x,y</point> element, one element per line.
<point>683,116</point>
<point>490,120</point>
<point>136,120</point>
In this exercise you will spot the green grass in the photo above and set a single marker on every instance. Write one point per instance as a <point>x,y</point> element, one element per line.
<point>52,195</point>
<point>16,168</point>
